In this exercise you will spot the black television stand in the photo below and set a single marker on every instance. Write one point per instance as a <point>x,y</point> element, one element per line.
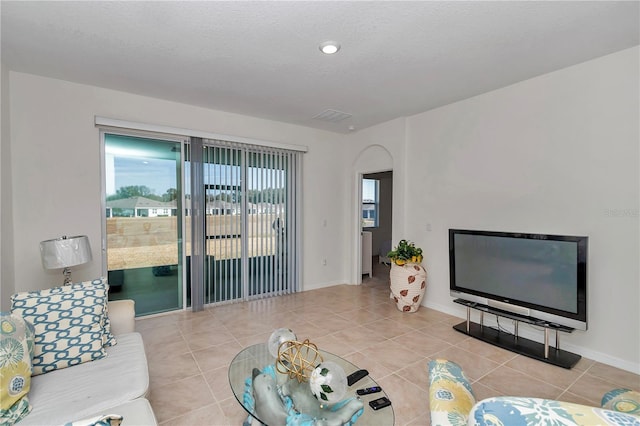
<point>512,342</point>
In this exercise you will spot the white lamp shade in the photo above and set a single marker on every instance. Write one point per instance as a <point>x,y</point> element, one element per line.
<point>64,252</point>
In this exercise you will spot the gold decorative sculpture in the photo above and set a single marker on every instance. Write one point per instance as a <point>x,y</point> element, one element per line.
<point>298,359</point>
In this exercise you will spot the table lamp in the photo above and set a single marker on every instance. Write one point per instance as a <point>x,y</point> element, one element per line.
<point>65,252</point>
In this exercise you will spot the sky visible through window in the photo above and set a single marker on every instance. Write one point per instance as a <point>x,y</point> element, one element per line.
<point>159,175</point>
<point>368,189</point>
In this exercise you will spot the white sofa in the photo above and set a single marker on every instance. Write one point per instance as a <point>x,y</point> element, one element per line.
<point>115,384</point>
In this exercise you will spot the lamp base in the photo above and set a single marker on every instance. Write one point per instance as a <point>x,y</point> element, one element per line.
<point>67,276</point>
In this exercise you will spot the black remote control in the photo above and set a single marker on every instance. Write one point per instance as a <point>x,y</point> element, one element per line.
<point>355,376</point>
<point>367,391</point>
<point>379,403</point>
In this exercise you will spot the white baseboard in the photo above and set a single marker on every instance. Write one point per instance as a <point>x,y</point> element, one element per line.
<point>316,286</point>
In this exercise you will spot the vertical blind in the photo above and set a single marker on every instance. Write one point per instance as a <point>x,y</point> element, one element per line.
<point>251,227</point>
<point>197,203</point>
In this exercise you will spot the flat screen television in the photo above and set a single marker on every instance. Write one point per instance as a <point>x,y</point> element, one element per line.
<point>539,276</point>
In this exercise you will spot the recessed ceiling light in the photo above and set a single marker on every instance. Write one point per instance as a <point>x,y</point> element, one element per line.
<point>329,47</point>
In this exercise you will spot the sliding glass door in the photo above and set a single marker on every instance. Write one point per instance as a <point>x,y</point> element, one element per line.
<point>212,220</point>
<point>250,224</point>
<point>143,221</point>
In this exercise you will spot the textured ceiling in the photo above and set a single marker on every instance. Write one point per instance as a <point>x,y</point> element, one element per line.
<point>262,58</point>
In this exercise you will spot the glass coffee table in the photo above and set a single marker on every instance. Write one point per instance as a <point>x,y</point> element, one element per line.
<point>258,356</point>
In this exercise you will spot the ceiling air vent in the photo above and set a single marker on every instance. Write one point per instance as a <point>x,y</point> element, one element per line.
<point>332,116</point>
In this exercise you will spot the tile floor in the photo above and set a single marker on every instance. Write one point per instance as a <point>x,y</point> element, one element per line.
<point>189,353</point>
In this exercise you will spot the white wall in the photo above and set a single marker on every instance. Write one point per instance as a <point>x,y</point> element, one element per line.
<point>55,160</point>
<point>6,218</point>
<point>556,154</point>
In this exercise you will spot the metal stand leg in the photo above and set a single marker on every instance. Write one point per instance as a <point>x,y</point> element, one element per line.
<point>546,342</point>
<point>468,319</point>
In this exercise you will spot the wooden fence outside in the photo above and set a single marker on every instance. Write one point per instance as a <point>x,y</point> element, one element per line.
<point>152,241</point>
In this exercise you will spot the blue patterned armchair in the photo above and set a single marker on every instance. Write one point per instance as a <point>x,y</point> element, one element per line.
<point>452,403</point>
<point>450,395</point>
<point>516,411</point>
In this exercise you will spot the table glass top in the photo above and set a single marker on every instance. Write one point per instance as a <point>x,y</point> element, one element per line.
<point>258,356</point>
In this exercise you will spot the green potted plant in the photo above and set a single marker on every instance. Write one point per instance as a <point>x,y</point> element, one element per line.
<point>405,252</point>
<point>408,278</point>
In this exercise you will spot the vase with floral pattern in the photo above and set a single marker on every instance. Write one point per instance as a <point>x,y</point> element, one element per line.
<point>408,285</point>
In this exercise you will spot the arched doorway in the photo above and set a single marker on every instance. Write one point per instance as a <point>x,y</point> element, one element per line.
<point>372,207</point>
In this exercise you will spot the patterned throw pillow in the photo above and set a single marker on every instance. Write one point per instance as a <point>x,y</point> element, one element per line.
<point>16,349</point>
<point>108,339</point>
<point>624,400</point>
<point>70,324</point>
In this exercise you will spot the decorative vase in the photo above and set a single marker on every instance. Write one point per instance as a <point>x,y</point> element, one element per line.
<point>408,284</point>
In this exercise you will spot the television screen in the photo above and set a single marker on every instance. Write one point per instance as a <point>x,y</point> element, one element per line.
<point>546,274</point>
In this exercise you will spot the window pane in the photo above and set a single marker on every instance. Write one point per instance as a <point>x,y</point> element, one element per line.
<point>370,202</point>
<point>142,181</point>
